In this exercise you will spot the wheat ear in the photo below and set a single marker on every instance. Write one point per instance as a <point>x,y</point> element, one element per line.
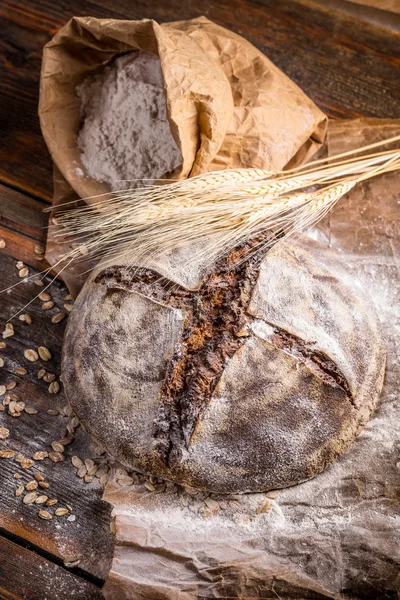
<point>228,207</point>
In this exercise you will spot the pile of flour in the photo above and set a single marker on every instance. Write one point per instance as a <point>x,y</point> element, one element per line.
<point>125,134</point>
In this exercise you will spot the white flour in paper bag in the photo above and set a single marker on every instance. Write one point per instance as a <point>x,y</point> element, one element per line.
<point>125,133</point>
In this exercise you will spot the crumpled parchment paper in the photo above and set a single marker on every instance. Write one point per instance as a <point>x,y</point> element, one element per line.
<point>335,536</point>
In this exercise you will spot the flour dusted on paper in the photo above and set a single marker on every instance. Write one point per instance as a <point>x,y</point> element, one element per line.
<point>125,133</point>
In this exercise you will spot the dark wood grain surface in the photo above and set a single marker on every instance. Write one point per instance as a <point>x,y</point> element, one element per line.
<point>21,569</point>
<point>349,67</point>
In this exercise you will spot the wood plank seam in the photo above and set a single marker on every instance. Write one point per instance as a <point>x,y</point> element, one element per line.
<point>81,573</point>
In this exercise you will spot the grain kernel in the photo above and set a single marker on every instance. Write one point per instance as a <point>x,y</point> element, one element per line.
<point>30,498</point>
<point>47,305</point>
<point>58,317</point>
<point>49,377</point>
<point>41,499</point>
<point>8,331</point>
<point>56,456</point>
<point>20,371</point>
<point>59,512</point>
<point>7,453</point>
<point>44,353</point>
<point>31,485</point>
<point>77,462</point>
<point>42,454</point>
<point>31,355</point>
<point>4,433</point>
<point>45,297</point>
<point>24,272</point>
<point>54,387</point>
<point>38,249</point>
<point>44,514</point>
<point>57,447</point>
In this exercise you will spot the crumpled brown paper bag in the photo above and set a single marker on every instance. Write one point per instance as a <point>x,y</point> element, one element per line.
<point>228,105</point>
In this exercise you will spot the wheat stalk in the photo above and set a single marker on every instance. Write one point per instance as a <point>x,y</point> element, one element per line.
<point>224,208</point>
<point>227,207</point>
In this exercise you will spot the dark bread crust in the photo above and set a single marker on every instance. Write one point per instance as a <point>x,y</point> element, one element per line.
<point>233,409</point>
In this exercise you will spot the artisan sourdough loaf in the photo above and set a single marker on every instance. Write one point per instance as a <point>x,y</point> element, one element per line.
<point>252,375</point>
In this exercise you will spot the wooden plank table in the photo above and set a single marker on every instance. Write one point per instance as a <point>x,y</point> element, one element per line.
<point>348,67</point>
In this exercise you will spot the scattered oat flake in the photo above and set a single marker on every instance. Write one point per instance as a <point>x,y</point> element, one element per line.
<point>2,243</point>
<point>44,514</point>
<point>3,390</point>
<point>38,249</point>
<point>68,307</point>
<point>53,413</point>
<point>56,456</point>
<point>71,564</point>
<point>54,387</point>
<point>60,512</point>
<point>3,345</point>
<point>47,305</point>
<point>81,472</point>
<point>49,377</point>
<point>38,282</point>
<point>30,498</point>
<point>10,386</point>
<point>41,373</point>
<point>40,455</point>
<point>17,475</point>
<point>45,297</point>
<point>57,447</point>
<point>44,353</point>
<point>92,471</point>
<point>58,317</point>
<point>41,499</point>
<point>7,453</point>
<point>44,484</point>
<point>89,463</point>
<point>8,331</point>
<point>27,463</point>
<point>20,371</point>
<point>30,410</point>
<point>77,462</point>
<point>24,272</point>
<point>19,264</point>
<point>20,490</point>
<point>38,476</point>
<point>51,502</point>
<point>25,318</point>
<point>31,485</point>
<point>4,433</point>
<point>1,362</point>
<point>31,354</point>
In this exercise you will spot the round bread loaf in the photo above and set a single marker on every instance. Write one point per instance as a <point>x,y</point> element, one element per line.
<point>252,376</point>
